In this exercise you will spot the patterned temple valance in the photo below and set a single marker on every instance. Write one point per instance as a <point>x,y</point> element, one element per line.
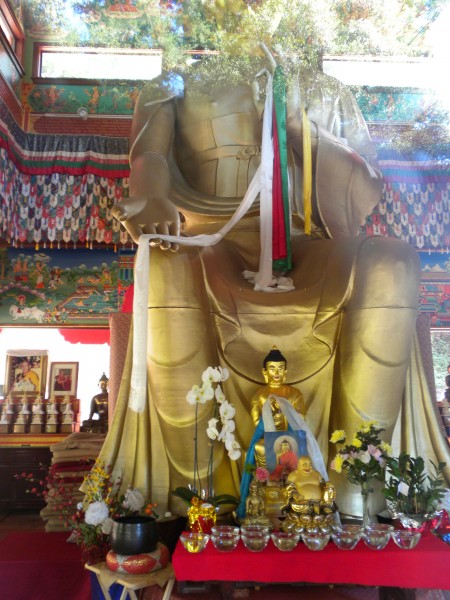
<point>59,190</point>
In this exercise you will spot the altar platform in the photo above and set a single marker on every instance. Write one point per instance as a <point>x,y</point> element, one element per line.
<point>396,573</point>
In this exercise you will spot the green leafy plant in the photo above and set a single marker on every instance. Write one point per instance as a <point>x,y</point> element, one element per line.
<point>410,488</point>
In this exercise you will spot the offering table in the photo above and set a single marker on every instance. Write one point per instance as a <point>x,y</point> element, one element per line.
<point>426,566</point>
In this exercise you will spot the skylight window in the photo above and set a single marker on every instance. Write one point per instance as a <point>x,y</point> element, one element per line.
<point>97,63</point>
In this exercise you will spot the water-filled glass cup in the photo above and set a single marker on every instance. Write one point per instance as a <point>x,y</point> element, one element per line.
<point>194,542</point>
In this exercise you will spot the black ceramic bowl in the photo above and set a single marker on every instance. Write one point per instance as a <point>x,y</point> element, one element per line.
<point>133,535</point>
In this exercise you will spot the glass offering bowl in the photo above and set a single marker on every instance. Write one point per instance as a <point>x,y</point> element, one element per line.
<point>254,529</point>
<point>315,540</point>
<point>406,539</point>
<point>194,542</point>
<point>284,540</point>
<point>221,529</point>
<point>226,541</point>
<point>377,536</point>
<point>255,541</point>
<point>346,536</point>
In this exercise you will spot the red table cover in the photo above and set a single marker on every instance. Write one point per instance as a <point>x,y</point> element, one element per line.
<point>426,566</point>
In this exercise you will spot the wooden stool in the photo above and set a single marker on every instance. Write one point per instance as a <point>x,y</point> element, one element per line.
<point>131,583</point>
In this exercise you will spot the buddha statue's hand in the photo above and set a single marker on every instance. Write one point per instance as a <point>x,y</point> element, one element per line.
<point>142,215</point>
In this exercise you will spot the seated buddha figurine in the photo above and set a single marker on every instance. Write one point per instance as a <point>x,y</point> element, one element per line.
<point>286,462</point>
<point>274,372</point>
<point>276,408</point>
<point>309,499</point>
<point>97,422</point>
<point>195,150</point>
<point>255,506</point>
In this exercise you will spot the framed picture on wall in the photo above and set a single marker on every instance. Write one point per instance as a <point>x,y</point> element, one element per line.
<point>26,371</point>
<point>63,379</point>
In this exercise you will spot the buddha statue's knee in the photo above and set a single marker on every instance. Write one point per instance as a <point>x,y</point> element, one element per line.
<point>387,274</point>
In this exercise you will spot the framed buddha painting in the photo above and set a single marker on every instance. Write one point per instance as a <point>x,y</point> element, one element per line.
<point>283,449</point>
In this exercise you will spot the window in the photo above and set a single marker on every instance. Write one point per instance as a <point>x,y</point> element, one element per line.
<point>11,32</point>
<point>64,62</point>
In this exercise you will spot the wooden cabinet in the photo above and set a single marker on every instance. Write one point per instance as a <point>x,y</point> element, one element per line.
<point>16,457</point>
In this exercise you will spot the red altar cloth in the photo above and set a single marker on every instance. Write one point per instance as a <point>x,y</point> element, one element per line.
<point>36,565</point>
<point>426,566</point>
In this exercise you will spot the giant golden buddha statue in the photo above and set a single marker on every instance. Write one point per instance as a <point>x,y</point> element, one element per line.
<point>347,326</point>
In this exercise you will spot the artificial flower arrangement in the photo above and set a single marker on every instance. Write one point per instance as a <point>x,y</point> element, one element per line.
<point>49,484</point>
<point>92,522</point>
<point>221,428</point>
<point>363,457</point>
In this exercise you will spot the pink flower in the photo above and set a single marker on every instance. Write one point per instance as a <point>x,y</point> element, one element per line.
<point>262,474</point>
<point>374,451</point>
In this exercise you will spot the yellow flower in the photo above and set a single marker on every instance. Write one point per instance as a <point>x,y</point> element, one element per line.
<point>356,442</point>
<point>386,448</point>
<point>337,463</point>
<point>337,436</point>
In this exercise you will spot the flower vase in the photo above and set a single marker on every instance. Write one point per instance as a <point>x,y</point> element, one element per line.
<point>366,518</point>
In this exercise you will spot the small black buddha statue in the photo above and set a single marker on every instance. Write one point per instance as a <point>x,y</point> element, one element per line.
<point>97,422</point>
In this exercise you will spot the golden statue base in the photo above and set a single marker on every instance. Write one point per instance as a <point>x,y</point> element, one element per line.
<point>4,428</point>
<point>66,428</point>
<point>36,428</point>
<point>51,428</point>
<point>19,428</point>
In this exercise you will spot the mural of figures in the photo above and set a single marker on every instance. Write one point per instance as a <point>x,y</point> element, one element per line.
<point>59,288</point>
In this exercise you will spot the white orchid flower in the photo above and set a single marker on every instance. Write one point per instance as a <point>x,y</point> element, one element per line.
<point>212,431</point>
<point>228,426</point>
<point>220,396</point>
<point>234,449</point>
<point>200,395</point>
<point>96,513</point>
<point>207,393</point>
<point>211,375</point>
<point>193,395</point>
<point>215,374</point>
<point>224,373</point>
<point>226,434</point>
<point>226,411</point>
<point>134,500</point>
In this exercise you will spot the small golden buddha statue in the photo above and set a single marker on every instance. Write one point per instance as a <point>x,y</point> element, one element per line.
<point>309,499</point>
<point>274,372</point>
<point>255,506</point>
